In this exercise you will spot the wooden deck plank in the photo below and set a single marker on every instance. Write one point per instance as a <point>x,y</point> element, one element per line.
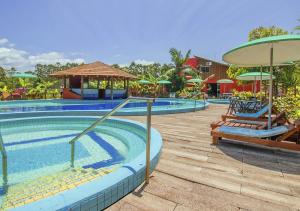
<point>192,174</point>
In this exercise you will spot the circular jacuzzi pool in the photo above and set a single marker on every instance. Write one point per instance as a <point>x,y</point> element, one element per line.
<point>29,108</point>
<point>109,162</point>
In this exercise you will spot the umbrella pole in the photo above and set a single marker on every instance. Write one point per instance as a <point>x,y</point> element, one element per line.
<point>255,87</point>
<point>260,86</point>
<point>270,89</point>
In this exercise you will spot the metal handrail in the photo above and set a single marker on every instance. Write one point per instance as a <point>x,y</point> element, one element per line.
<point>195,100</point>
<point>103,118</point>
<point>4,163</point>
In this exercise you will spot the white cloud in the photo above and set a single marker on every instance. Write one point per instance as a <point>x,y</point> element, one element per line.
<point>52,57</point>
<point>3,41</point>
<point>138,61</point>
<point>143,61</point>
<point>12,57</point>
<point>117,55</point>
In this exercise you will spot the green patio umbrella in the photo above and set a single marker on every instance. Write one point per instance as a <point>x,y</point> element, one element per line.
<point>23,75</point>
<point>225,81</point>
<point>144,82</point>
<point>268,51</point>
<point>164,82</point>
<point>253,76</point>
<point>195,80</point>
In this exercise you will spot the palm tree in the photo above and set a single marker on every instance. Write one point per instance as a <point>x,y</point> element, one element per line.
<point>178,59</point>
<point>177,72</point>
<point>43,87</point>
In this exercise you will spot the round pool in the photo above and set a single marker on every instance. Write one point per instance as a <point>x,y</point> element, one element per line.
<point>25,108</point>
<point>109,158</point>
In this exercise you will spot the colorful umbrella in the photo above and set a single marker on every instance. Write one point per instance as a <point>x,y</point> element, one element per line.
<point>268,51</point>
<point>224,81</point>
<point>164,82</point>
<point>144,82</point>
<point>195,80</point>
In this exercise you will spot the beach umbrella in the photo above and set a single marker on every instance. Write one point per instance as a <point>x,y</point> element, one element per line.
<point>268,51</point>
<point>195,80</point>
<point>225,81</point>
<point>253,76</point>
<point>164,82</point>
<point>144,82</point>
<point>23,75</point>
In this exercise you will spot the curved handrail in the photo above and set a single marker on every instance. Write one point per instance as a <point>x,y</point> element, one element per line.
<point>195,100</point>
<point>103,118</point>
<point>4,163</point>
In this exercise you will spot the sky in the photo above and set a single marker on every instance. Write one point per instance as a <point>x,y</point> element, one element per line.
<point>122,31</point>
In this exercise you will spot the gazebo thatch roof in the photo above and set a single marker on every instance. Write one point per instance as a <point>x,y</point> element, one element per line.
<point>95,70</point>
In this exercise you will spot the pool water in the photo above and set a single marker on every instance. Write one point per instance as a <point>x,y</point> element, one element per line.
<point>73,105</point>
<point>39,146</point>
<point>30,108</point>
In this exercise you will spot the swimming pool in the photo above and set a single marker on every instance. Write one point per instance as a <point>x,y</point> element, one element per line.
<point>29,108</point>
<point>218,101</point>
<point>39,172</point>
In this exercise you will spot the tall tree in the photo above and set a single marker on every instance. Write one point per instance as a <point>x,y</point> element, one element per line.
<point>2,73</point>
<point>233,71</point>
<point>177,73</point>
<point>261,32</point>
<point>43,70</point>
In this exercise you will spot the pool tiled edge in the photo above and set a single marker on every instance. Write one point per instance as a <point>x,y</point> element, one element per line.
<point>102,192</point>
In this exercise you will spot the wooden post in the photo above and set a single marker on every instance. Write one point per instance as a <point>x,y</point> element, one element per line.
<point>111,89</point>
<point>88,82</point>
<point>98,82</point>
<point>65,82</point>
<point>81,86</point>
<point>127,87</point>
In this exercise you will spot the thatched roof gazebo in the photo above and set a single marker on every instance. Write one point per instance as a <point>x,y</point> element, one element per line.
<point>76,81</point>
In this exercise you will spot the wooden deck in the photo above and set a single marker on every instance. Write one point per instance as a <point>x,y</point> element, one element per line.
<point>192,174</point>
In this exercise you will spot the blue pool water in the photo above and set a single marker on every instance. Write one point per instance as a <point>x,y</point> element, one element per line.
<point>31,158</point>
<point>86,107</point>
<point>40,146</point>
<point>29,108</point>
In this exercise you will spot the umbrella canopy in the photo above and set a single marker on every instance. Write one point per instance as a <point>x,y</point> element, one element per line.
<point>194,80</point>
<point>268,51</point>
<point>225,81</point>
<point>164,82</point>
<point>257,52</point>
<point>144,82</point>
<point>23,75</point>
<point>253,76</point>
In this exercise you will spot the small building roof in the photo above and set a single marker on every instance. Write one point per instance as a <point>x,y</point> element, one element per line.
<point>96,69</point>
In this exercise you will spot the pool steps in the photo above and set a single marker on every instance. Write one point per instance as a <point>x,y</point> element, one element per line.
<point>25,193</point>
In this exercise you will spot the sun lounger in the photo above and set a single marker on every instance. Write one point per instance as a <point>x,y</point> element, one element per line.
<point>259,115</point>
<point>277,136</point>
<point>260,123</point>
<point>240,123</point>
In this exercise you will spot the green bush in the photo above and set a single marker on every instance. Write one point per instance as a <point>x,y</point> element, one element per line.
<point>290,103</point>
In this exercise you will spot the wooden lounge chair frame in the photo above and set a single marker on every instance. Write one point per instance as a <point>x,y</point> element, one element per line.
<point>279,142</point>
<point>280,119</point>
